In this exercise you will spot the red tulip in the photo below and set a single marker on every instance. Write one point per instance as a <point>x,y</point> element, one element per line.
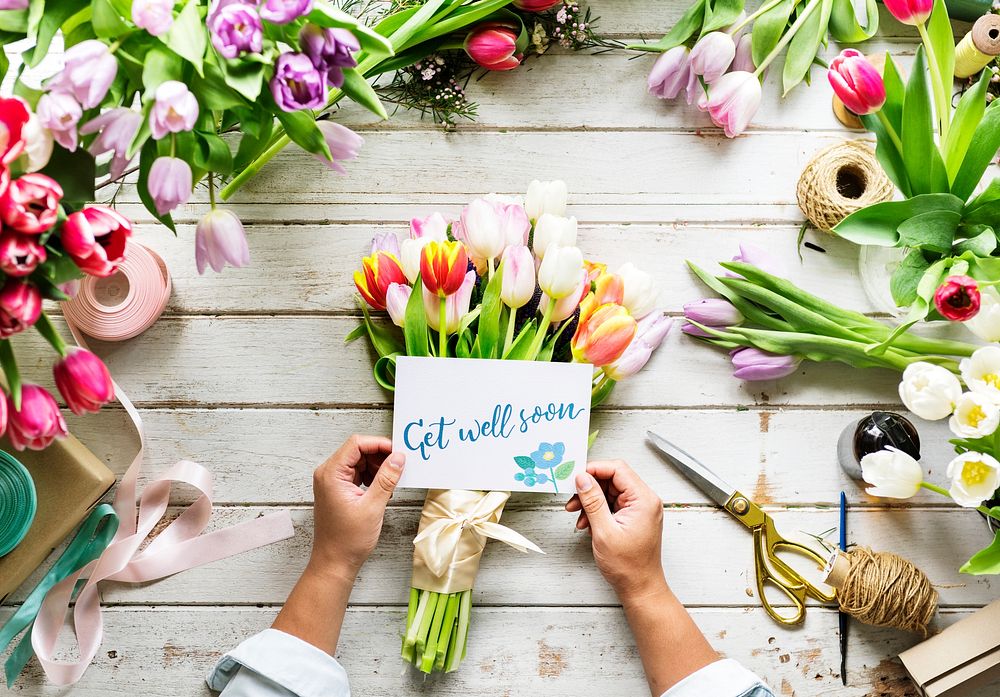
<point>443,266</point>
<point>857,82</point>
<point>83,381</point>
<point>31,203</point>
<point>95,238</point>
<point>20,254</point>
<point>38,422</point>
<point>957,298</point>
<point>493,46</point>
<point>377,273</point>
<point>20,306</point>
<point>13,115</point>
<point>535,5</point>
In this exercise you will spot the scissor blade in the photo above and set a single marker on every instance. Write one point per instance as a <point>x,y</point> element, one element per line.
<point>705,479</point>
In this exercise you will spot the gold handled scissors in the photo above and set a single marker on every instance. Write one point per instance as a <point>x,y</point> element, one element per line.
<point>770,568</point>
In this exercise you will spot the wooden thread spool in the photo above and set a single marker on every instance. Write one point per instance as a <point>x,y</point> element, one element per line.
<point>882,589</point>
<point>977,48</point>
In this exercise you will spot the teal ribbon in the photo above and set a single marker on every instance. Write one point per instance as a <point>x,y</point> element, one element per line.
<point>17,502</point>
<point>90,541</point>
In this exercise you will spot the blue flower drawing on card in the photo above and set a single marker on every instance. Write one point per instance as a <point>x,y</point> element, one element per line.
<point>544,465</point>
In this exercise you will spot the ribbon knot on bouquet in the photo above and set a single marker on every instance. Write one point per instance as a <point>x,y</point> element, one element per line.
<point>454,527</point>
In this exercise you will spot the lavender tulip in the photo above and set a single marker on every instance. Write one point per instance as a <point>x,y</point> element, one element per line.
<point>753,364</point>
<point>175,109</point>
<point>219,240</point>
<point>155,16</point>
<point>284,11</point>
<point>116,129</point>
<point>169,183</point>
<point>713,312</point>
<point>649,334</point>
<point>762,259</point>
<point>712,55</point>
<point>671,73</point>
<point>330,50</point>
<point>236,29</point>
<point>694,330</point>
<point>744,55</point>
<point>397,296</point>
<point>732,101</point>
<point>87,74</point>
<point>342,141</point>
<point>518,283</point>
<point>386,242</point>
<point>297,84</point>
<point>60,113</point>
<point>13,5</point>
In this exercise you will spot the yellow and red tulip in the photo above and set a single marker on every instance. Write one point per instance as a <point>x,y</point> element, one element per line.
<point>602,337</point>
<point>377,273</point>
<point>443,266</point>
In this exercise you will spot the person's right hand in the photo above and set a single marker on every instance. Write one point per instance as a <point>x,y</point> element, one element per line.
<point>625,518</point>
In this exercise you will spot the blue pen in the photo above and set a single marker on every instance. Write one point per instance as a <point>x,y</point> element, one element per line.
<point>842,617</point>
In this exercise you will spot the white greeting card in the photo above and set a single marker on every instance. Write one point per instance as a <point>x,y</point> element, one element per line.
<point>488,424</point>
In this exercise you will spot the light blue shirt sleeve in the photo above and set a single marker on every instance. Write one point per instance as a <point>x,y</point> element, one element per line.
<point>275,664</point>
<point>724,678</point>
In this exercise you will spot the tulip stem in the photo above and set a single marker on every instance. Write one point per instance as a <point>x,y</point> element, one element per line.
<point>491,268</point>
<point>788,36</point>
<point>443,330</point>
<point>51,334</point>
<point>944,492</point>
<point>511,318</point>
<point>211,190</point>
<point>536,344</point>
<point>761,10</point>
<point>893,136</point>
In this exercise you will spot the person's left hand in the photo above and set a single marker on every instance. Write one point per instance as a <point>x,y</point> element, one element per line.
<point>348,519</point>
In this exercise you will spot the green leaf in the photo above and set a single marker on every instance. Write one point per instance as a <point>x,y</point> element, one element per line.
<point>324,14</point>
<point>933,231</point>
<point>302,129</point>
<point>143,133</point>
<point>489,318</point>
<point>160,65</point>
<point>887,154</point>
<point>853,21</point>
<point>523,461</point>
<point>384,339</point>
<point>968,114</point>
<point>75,172</point>
<point>252,145</point>
<point>358,88</point>
<point>877,224</point>
<point>981,243</point>
<point>212,154</point>
<point>187,36</point>
<point>456,21</point>
<point>522,344</point>
<point>14,21</point>
<point>806,42</point>
<point>906,277</point>
<point>721,13</point>
<point>107,23</point>
<point>982,150</point>
<point>146,157</point>
<point>53,14</point>
<point>415,323</point>
<point>942,39</point>
<point>415,22</point>
<point>924,167</point>
<point>686,27</point>
<point>10,371</point>
<point>246,77</point>
<point>768,28</point>
<point>988,195</point>
<point>985,561</point>
<point>564,470</point>
<point>895,94</point>
<point>385,371</point>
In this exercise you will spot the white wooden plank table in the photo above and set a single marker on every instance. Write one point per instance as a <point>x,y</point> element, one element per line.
<point>248,374</point>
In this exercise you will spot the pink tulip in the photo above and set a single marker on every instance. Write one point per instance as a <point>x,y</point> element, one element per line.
<point>88,73</point>
<point>743,62</point>
<point>518,282</point>
<point>95,239</point>
<point>713,312</point>
<point>4,413</point>
<point>493,46</point>
<point>344,144</point>
<point>434,226</point>
<point>219,239</point>
<point>83,381</point>
<point>649,334</point>
<point>117,127</point>
<point>13,5</point>
<point>31,203</point>
<point>857,82</point>
<point>20,306</point>
<point>958,298</point>
<point>385,242</point>
<point>38,422</point>
<point>155,16</point>
<point>456,305</point>
<point>753,364</point>
<point>732,101</point>
<point>671,73</point>
<point>912,12</point>
<point>169,183</point>
<point>712,55</point>
<point>14,119</point>
<point>175,109</point>
<point>397,296</point>
<point>60,113</point>
<point>761,258</point>
<point>20,254</point>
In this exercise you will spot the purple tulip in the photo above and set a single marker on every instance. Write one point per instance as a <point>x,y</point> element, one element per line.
<point>671,73</point>
<point>87,74</point>
<point>60,113</point>
<point>284,11</point>
<point>713,312</point>
<point>169,183</point>
<point>175,109</point>
<point>329,50</point>
<point>386,242</point>
<point>155,16</point>
<point>219,239</point>
<point>397,296</point>
<point>712,55</point>
<point>342,141</point>
<point>13,5</point>
<point>117,127</point>
<point>296,83</point>
<point>753,364</point>
<point>235,30</point>
<point>649,334</point>
<point>695,330</point>
<point>762,259</point>
<point>744,55</point>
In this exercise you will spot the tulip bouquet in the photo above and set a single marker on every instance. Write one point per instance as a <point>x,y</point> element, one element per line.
<point>47,240</point>
<point>718,56</point>
<point>504,280</point>
<point>933,393</point>
<point>937,157</point>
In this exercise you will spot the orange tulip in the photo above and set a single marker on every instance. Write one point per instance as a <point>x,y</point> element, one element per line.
<point>377,273</point>
<point>604,335</point>
<point>443,266</point>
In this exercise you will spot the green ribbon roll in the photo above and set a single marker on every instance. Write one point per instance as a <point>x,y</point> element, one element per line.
<point>90,541</point>
<point>968,10</point>
<point>17,502</point>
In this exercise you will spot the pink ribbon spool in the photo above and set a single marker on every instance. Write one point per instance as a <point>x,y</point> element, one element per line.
<point>125,304</point>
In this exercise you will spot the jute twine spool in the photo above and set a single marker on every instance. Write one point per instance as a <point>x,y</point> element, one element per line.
<point>839,180</point>
<point>884,590</point>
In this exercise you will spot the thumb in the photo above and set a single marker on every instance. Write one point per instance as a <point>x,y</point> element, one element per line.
<point>386,479</point>
<point>593,502</point>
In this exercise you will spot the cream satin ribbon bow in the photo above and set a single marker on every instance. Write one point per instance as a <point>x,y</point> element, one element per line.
<point>454,527</point>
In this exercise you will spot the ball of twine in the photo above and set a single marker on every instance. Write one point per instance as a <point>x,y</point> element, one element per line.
<point>839,180</point>
<point>885,590</point>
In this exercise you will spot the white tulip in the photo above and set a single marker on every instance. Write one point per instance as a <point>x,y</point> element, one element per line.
<point>409,256</point>
<point>981,372</point>
<point>976,416</point>
<point>891,473</point>
<point>546,197</point>
<point>641,291</point>
<point>484,235</point>
<point>986,323</point>
<point>559,272</point>
<point>929,390</point>
<point>553,229</point>
<point>974,477</point>
<point>38,144</point>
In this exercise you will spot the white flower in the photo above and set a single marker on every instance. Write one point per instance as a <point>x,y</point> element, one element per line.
<point>559,272</point>
<point>891,473</point>
<point>641,291</point>
<point>545,197</point>
<point>37,144</point>
<point>981,372</point>
<point>976,416</point>
<point>484,235</point>
<point>986,323</point>
<point>929,390</point>
<point>409,256</point>
<point>553,229</point>
<point>974,478</point>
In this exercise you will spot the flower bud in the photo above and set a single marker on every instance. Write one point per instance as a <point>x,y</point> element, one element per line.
<point>83,381</point>
<point>37,423</point>
<point>856,82</point>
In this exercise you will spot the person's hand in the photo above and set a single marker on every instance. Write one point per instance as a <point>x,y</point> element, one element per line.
<point>625,518</point>
<point>348,519</point>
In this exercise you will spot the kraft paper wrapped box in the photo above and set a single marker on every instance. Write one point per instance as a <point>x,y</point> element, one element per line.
<point>962,658</point>
<point>69,480</point>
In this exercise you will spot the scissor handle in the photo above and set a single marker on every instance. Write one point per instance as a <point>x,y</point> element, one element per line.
<point>792,586</point>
